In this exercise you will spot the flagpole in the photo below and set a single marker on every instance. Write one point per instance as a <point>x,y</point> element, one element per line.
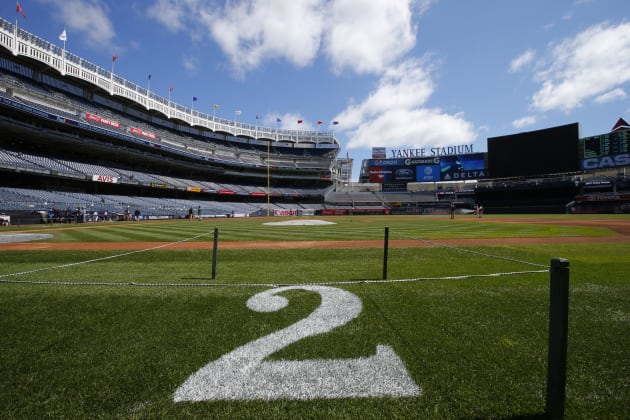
<point>64,38</point>
<point>148,90</point>
<point>15,41</point>
<point>170,89</point>
<point>15,34</point>
<point>111,90</point>
<point>268,181</point>
<point>63,58</point>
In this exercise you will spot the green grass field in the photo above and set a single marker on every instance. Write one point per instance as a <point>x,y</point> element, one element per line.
<point>102,333</point>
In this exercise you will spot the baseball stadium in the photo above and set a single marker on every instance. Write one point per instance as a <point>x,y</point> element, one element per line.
<point>160,262</point>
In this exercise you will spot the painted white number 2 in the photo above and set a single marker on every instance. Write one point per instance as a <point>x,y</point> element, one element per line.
<point>243,375</point>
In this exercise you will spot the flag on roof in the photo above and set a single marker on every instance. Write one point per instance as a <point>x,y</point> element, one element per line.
<point>237,112</point>
<point>621,124</point>
<point>19,9</point>
<point>114,58</point>
<point>278,120</point>
<point>320,122</point>
<point>299,121</point>
<point>149,78</point>
<point>170,88</point>
<point>216,106</point>
<point>335,122</point>
<point>63,36</point>
<point>194,99</point>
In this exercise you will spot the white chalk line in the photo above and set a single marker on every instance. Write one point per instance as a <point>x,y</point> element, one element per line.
<point>109,257</point>
<point>471,251</point>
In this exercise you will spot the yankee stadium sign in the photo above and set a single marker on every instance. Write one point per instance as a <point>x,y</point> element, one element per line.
<point>433,151</point>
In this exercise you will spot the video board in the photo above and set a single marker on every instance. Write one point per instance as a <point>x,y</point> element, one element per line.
<point>606,144</point>
<point>428,169</point>
<point>548,151</point>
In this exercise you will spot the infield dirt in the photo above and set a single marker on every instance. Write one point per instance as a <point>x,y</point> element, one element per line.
<point>620,226</point>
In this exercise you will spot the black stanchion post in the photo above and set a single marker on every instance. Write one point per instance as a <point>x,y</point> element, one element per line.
<point>385,252</point>
<point>215,245</point>
<point>558,335</point>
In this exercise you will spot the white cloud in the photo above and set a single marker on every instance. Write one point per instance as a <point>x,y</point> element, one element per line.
<point>354,35</point>
<point>394,114</point>
<point>86,21</point>
<point>191,64</point>
<point>524,122</point>
<point>590,64</point>
<point>250,32</point>
<point>522,60</point>
<point>170,13</point>
<point>288,121</point>
<point>366,37</point>
<point>610,96</point>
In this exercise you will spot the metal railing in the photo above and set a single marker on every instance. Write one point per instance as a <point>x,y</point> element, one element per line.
<point>24,43</point>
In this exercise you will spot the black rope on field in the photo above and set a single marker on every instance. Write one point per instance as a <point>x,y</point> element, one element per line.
<point>273,285</point>
<point>3,277</point>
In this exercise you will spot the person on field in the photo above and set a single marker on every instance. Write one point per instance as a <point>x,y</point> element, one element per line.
<point>452,209</point>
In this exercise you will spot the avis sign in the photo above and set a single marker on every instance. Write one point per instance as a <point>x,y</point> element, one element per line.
<point>105,178</point>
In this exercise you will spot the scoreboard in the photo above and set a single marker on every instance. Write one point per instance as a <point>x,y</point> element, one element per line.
<point>606,144</point>
<point>551,150</point>
<point>428,169</point>
<point>606,150</point>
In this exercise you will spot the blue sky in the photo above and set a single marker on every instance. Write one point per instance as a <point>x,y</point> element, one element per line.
<point>394,73</point>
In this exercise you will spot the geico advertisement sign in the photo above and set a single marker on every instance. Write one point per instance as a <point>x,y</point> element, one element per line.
<point>606,161</point>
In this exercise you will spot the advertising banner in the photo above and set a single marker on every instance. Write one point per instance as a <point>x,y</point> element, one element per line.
<point>463,167</point>
<point>100,120</point>
<point>285,212</point>
<point>378,153</point>
<point>105,178</point>
<point>428,169</point>
<point>139,132</point>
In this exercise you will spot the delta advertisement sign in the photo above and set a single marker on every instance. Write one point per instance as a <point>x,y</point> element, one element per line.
<point>429,169</point>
